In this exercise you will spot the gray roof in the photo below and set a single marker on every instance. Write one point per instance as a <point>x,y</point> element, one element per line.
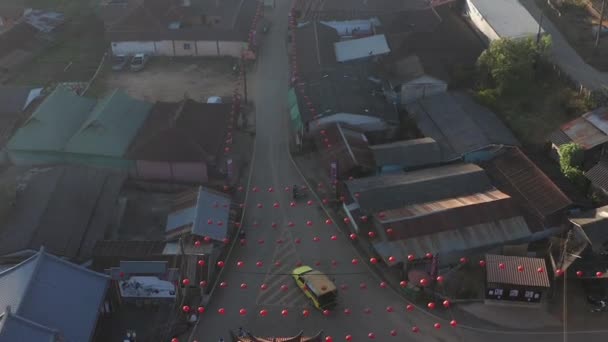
<point>459,124</point>
<point>17,328</point>
<point>408,153</point>
<point>397,190</point>
<point>508,18</point>
<point>65,208</point>
<point>594,224</point>
<point>209,205</point>
<point>56,294</point>
<point>598,175</point>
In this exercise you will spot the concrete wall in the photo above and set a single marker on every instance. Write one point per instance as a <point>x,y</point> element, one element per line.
<point>185,48</point>
<point>131,48</point>
<point>480,23</point>
<point>170,172</point>
<point>234,49</point>
<point>207,47</point>
<point>164,48</point>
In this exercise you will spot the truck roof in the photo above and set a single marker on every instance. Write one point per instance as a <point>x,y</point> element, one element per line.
<point>318,282</point>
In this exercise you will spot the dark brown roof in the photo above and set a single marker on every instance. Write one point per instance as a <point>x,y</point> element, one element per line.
<point>518,176</point>
<point>346,146</point>
<point>598,175</point>
<point>66,209</point>
<point>109,253</point>
<point>408,153</point>
<point>17,37</point>
<point>187,131</point>
<point>511,275</point>
<point>315,47</point>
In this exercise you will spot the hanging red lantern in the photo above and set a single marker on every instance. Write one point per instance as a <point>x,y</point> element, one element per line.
<point>221,311</point>
<point>363,219</point>
<point>309,223</point>
<point>579,273</point>
<point>325,201</point>
<point>482,263</point>
<point>389,309</point>
<point>209,221</point>
<point>346,220</point>
<point>347,311</point>
<point>202,283</point>
<point>371,235</point>
<point>186,281</point>
<point>243,286</point>
<point>383,285</point>
<point>197,243</point>
<point>273,225</point>
<point>309,202</point>
<point>520,268</point>
<point>284,288</point>
<point>373,261</point>
<point>540,270</point>
<point>207,239</point>
<point>174,339</point>
<point>403,283</point>
<point>559,272</point>
<point>328,221</point>
<point>201,309</point>
<point>501,266</point>
<point>270,189</point>
<point>367,311</point>
<point>440,279</point>
<point>316,239</point>
<point>243,312</point>
<point>284,312</point>
<point>292,204</point>
<point>428,255</point>
<point>329,339</point>
<point>263,287</point>
<point>223,284</point>
<point>391,259</point>
<point>259,264</point>
<point>326,312</point>
<point>260,205</point>
<point>240,264</point>
<point>263,312</point>
<point>201,263</point>
<point>389,231</point>
<point>277,264</point>
<point>437,326</point>
<point>431,305</point>
<point>409,307</point>
<point>260,242</point>
<point>363,286</point>
<point>276,205</point>
<point>599,274</point>
<point>290,224</point>
<point>463,260</point>
<point>297,241</point>
<point>220,264</point>
<point>305,313</point>
<point>348,338</point>
<point>371,336</point>
<point>353,236</point>
<point>333,238</point>
<point>411,257</point>
<point>415,329</point>
<point>424,282</point>
<point>381,215</point>
<point>186,308</point>
<point>446,303</point>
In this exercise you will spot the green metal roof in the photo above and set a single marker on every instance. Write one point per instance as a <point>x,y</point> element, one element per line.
<point>53,122</point>
<point>111,127</point>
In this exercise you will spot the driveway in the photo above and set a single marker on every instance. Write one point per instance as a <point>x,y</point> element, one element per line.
<point>272,167</point>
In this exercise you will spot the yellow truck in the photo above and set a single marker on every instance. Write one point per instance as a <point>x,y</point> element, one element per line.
<point>316,286</point>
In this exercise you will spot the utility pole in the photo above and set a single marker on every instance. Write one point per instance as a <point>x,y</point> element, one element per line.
<point>540,24</point>
<point>244,79</point>
<point>600,26</point>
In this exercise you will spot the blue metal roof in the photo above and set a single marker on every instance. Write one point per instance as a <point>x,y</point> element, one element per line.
<point>54,293</point>
<point>17,328</point>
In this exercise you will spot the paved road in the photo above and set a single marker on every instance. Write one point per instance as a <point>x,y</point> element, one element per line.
<point>565,56</point>
<point>290,245</point>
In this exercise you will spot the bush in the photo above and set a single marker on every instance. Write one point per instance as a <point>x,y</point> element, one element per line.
<point>570,156</point>
<point>576,176</point>
<point>487,97</point>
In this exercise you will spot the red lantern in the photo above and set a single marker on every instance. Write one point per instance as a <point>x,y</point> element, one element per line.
<point>270,189</point>
<point>329,339</point>
<point>559,272</point>
<point>599,274</point>
<point>309,202</point>
<point>409,307</point>
<point>273,225</point>
<point>221,311</point>
<point>200,309</point>
<point>290,224</point>
<point>424,282</point>
<point>403,283</point>
<point>431,305</point>
<point>393,332</point>
<point>501,266</point>
<point>254,189</point>
<point>347,311</point>
<point>260,205</point>
<point>174,339</point>
<point>326,312</point>
<point>363,286</point>
<point>297,241</point>
<point>186,281</point>
<point>325,201</point>
<point>207,239</point>
<point>328,221</point>
<point>209,221</point>
<point>371,336</point>
<point>437,326</point>
<point>381,215</point>
<point>292,204</point>
<point>440,279</point>
<point>463,260</point>
<point>482,263</point>
<point>202,283</point>
<point>263,312</point>
<point>309,223</point>
<point>353,236</point>
<point>243,312</point>
<point>186,308</point>
<point>389,231</point>
<point>428,255</point>
<point>220,264</point>
<point>277,264</point>
<point>367,311</point>
<point>305,313</point>
<point>363,219</point>
<point>263,287</point>
<point>243,286</point>
<point>333,238</point>
<point>411,257</point>
<point>391,259</point>
<point>389,309</point>
<point>240,264</point>
<point>197,243</point>
<point>371,235</point>
<point>540,270</point>
<point>453,323</point>
<point>373,261</point>
<point>259,264</point>
<point>579,273</point>
<point>316,239</point>
<point>383,285</point>
<point>276,205</point>
<point>223,285</point>
<point>348,338</point>
<point>346,220</point>
<point>284,288</point>
<point>520,268</point>
<point>284,312</point>
<point>415,329</point>
<point>446,303</point>
<point>201,263</point>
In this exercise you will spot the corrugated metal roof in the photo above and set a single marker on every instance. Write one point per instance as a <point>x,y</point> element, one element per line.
<point>459,124</point>
<point>349,50</point>
<point>17,328</point>
<point>111,126</point>
<point>508,18</point>
<point>53,123</point>
<point>511,275</point>
<point>594,225</point>
<point>584,133</point>
<point>408,153</point>
<point>315,48</point>
<point>49,289</point>
<point>559,138</point>
<point>524,180</point>
<point>598,175</point>
<point>458,240</point>
<point>392,191</point>
<point>349,148</point>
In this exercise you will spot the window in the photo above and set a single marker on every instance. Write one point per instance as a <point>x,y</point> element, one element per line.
<point>529,294</point>
<point>187,46</point>
<point>513,293</point>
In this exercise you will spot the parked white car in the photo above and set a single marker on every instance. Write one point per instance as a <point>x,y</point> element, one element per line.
<point>139,62</point>
<point>214,99</point>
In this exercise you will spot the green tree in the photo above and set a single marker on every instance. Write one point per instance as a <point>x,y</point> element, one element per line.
<point>570,156</point>
<point>510,65</point>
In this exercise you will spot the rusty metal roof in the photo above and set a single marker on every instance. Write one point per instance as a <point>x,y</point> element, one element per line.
<point>589,130</point>
<point>598,175</point>
<point>529,276</point>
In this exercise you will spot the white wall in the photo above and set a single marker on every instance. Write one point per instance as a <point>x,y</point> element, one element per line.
<point>164,48</point>
<point>480,23</point>
<point>421,87</point>
<point>131,48</point>
<point>206,48</point>
<point>234,49</point>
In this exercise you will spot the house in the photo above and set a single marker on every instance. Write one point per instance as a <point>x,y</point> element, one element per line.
<point>200,212</point>
<point>67,128</point>
<point>592,227</point>
<point>597,176</point>
<point>315,48</point>
<point>357,49</point>
<point>180,142</point>
<point>589,131</point>
<point>184,28</point>
<point>463,128</point>
<point>543,203</point>
<point>65,208</point>
<point>46,298</point>
<point>515,279</point>
<point>406,155</point>
<point>451,210</point>
<point>497,19</point>
<point>344,151</point>
<point>409,82</point>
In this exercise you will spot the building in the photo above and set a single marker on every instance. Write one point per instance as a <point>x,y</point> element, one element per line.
<point>67,128</point>
<point>592,227</point>
<point>344,151</point>
<point>180,142</point>
<point>409,82</point>
<point>461,127</point>
<point>589,131</point>
<point>497,19</point>
<point>451,210</point>
<point>515,279</point>
<point>184,28</point>
<point>298,338</point>
<point>406,155</point>
<point>543,203</point>
<point>67,209</point>
<point>46,298</point>
<point>361,48</point>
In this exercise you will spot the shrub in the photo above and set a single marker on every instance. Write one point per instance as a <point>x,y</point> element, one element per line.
<point>570,156</point>
<point>487,97</point>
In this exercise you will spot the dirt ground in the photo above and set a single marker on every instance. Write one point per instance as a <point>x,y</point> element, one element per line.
<point>578,23</point>
<point>171,80</point>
